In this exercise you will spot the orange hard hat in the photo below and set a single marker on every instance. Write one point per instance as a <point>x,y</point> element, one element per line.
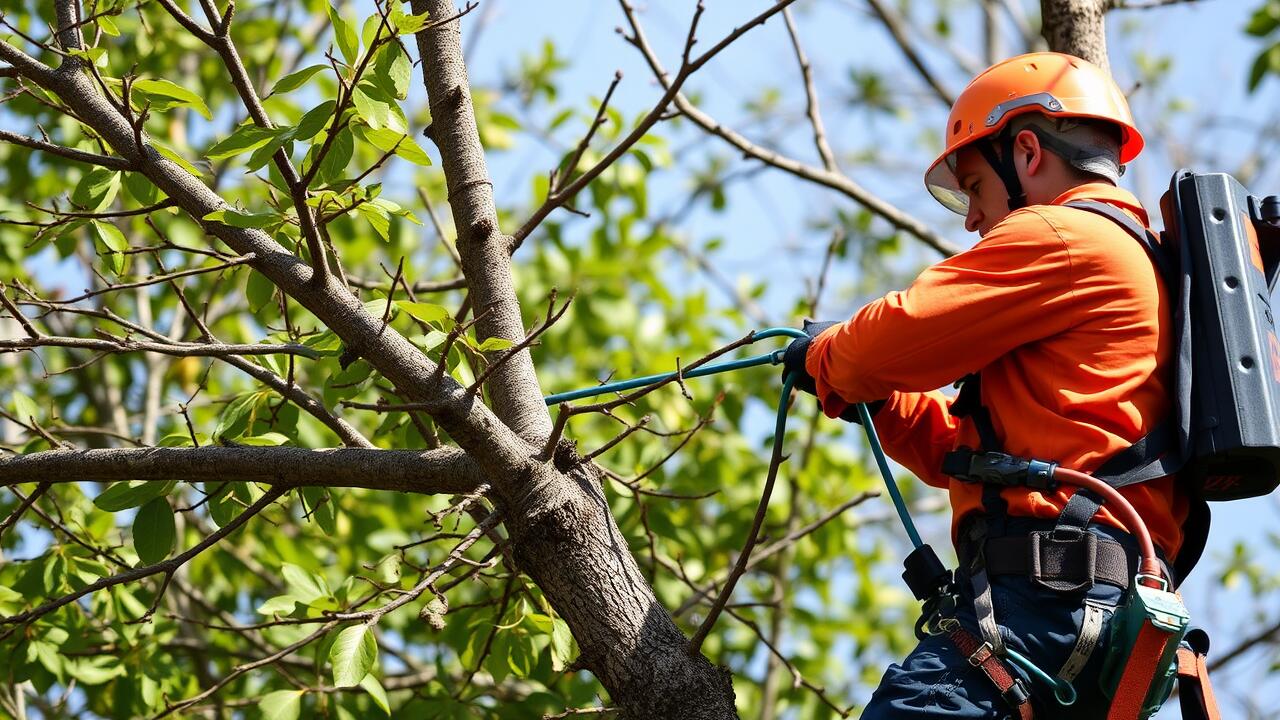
<point>1053,84</point>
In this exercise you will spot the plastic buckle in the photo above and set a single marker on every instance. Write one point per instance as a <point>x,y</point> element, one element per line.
<point>1081,541</point>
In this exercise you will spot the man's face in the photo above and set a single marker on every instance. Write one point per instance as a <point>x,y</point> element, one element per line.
<point>988,199</point>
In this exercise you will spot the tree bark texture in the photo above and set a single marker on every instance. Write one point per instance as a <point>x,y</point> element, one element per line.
<point>564,536</point>
<point>483,248</point>
<point>1076,27</point>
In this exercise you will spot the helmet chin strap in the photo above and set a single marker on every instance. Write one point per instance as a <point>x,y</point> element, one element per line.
<point>1002,163</point>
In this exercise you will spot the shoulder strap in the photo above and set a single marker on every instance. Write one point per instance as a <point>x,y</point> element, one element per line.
<point>1143,235</point>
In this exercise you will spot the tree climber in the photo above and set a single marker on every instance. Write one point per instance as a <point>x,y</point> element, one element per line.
<point>1058,312</point>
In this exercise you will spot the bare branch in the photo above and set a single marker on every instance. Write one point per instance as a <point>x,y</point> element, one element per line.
<point>296,394</point>
<point>835,181</point>
<point>777,546</point>
<point>421,286</point>
<point>811,97</point>
<point>447,470</point>
<point>753,536</point>
<point>672,85</point>
<point>17,314</point>
<point>159,279</point>
<point>107,161</point>
<point>124,345</point>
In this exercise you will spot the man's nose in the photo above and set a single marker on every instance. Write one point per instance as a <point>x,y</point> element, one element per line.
<point>972,218</point>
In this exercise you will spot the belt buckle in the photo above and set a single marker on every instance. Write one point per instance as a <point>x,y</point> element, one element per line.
<point>1070,540</point>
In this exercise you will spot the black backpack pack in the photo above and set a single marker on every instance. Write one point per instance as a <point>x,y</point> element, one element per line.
<point>1220,257</point>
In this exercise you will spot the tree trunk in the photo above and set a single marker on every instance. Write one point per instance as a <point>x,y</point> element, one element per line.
<point>563,535</point>
<point>1076,27</point>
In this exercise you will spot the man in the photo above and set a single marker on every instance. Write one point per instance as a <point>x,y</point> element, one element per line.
<point>1060,313</point>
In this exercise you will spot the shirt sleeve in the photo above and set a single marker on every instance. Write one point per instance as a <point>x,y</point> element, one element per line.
<point>917,430</point>
<point>1012,288</point>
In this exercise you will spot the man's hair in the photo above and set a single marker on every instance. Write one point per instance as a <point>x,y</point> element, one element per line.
<point>1090,147</point>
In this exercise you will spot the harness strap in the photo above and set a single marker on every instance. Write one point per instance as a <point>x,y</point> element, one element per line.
<point>1139,673</point>
<point>980,655</point>
<point>1086,641</point>
<point>1195,693</point>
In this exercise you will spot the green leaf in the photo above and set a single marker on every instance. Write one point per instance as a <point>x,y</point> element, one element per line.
<point>108,26</point>
<point>426,312</point>
<point>259,291</point>
<point>313,121</point>
<point>407,24</point>
<point>244,139</point>
<point>561,645</point>
<point>114,245</point>
<point>94,671</point>
<point>25,407</point>
<point>336,160</point>
<point>141,188</point>
<point>374,688</point>
<point>278,605</point>
<point>169,153</point>
<point>353,654</point>
<point>235,417</point>
<point>240,219</point>
<point>10,600</point>
<point>154,532</point>
<point>281,705</point>
<point>385,139</point>
<point>344,35</point>
<point>156,88</point>
<point>95,55</point>
<point>321,507</point>
<point>377,218</point>
<point>392,71</point>
<point>131,494</point>
<point>495,343</point>
<point>295,80</point>
<point>304,586</point>
<point>375,112</point>
<point>269,439</point>
<point>96,189</point>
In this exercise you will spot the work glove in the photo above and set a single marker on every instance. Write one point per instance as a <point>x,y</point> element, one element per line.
<point>793,362</point>
<point>794,356</point>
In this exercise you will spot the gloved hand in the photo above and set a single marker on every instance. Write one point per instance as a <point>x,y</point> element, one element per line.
<point>794,358</point>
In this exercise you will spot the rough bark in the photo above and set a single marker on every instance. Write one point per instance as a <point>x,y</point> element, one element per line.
<point>1076,27</point>
<point>564,536</point>
<point>483,248</point>
<point>447,470</point>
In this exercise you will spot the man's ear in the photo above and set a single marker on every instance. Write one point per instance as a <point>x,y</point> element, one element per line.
<point>1028,152</point>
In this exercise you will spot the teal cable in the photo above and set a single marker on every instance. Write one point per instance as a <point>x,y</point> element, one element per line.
<point>890,484</point>
<point>773,358</point>
<point>1062,690</point>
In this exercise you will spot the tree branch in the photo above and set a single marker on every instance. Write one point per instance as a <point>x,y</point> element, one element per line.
<point>124,345</point>
<point>443,471</point>
<point>835,181</point>
<point>811,97</point>
<point>107,161</point>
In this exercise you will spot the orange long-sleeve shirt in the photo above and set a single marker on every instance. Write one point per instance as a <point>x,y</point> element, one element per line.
<point>1061,310</point>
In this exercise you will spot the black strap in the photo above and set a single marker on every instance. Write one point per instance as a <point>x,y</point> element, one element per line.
<point>1063,561</point>
<point>1003,163</point>
<point>968,403</point>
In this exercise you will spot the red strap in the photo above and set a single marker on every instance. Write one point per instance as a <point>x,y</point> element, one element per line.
<point>1135,682</point>
<point>1195,692</point>
<point>981,657</point>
